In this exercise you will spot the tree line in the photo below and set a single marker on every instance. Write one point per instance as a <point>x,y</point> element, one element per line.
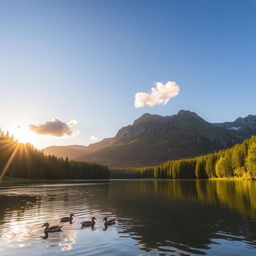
<point>237,161</point>
<point>24,161</point>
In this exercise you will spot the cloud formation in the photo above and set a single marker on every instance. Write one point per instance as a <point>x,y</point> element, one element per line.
<point>94,139</point>
<point>160,94</point>
<point>55,128</point>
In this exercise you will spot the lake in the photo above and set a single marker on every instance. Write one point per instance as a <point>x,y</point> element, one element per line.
<point>154,217</point>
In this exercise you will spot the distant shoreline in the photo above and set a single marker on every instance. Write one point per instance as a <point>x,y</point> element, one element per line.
<point>18,180</point>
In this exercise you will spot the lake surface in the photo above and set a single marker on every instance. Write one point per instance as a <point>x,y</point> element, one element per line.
<point>155,217</point>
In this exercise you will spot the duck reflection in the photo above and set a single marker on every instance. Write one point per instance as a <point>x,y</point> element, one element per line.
<point>46,235</point>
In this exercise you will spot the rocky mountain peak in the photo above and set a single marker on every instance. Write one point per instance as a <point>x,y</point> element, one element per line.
<point>249,118</point>
<point>186,114</point>
<point>145,118</point>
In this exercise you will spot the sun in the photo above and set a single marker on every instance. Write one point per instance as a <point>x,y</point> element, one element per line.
<point>23,134</point>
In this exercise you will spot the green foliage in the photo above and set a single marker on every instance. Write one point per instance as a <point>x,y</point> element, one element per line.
<point>251,160</point>
<point>30,163</point>
<point>200,169</point>
<point>240,172</point>
<point>210,166</point>
<point>239,161</point>
<point>224,168</point>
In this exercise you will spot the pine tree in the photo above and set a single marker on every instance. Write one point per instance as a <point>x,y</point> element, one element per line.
<point>200,169</point>
<point>251,160</point>
<point>210,166</point>
<point>224,168</point>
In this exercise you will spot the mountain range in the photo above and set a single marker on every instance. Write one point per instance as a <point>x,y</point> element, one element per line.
<point>153,139</point>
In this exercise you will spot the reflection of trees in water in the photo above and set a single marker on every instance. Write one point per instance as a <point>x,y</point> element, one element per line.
<point>239,195</point>
<point>81,198</point>
<point>17,204</point>
<point>14,207</point>
<point>171,213</point>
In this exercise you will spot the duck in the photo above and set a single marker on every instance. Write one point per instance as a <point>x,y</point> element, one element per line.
<point>67,219</point>
<point>51,229</point>
<point>89,223</point>
<point>109,222</point>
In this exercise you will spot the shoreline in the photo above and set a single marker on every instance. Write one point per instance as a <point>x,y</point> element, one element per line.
<point>115,179</point>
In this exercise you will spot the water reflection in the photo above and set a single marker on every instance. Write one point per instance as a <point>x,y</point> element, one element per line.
<point>179,217</point>
<point>186,214</point>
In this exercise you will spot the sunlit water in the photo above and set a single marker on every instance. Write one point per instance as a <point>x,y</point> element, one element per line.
<point>155,217</point>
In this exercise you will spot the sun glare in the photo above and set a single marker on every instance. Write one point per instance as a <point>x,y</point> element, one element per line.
<point>23,135</point>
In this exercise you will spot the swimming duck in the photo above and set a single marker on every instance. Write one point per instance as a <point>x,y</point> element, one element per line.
<point>67,219</point>
<point>51,229</point>
<point>108,222</point>
<point>89,223</point>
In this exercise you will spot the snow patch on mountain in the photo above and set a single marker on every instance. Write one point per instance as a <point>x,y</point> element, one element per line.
<point>235,128</point>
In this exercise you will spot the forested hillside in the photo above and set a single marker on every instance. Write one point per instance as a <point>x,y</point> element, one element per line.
<point>237,161</point>
<point>24,161</point>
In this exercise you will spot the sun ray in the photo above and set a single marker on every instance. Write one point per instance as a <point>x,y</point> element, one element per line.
<point>9,161</point>
<point>22,134</point>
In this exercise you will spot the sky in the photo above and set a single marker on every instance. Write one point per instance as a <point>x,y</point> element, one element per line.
<point>84,69</point>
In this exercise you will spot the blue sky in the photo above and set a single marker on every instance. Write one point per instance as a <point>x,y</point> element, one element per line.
<point>86,60</point>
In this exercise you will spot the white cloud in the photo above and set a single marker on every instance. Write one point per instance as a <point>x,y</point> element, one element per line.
<point>94,139</point>
<point>160,94</point>
<point>55,128</point>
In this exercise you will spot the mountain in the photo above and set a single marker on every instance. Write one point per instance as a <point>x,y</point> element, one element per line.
<point>153,139</point>
<point>246,126</point>
<point>71,151</point>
